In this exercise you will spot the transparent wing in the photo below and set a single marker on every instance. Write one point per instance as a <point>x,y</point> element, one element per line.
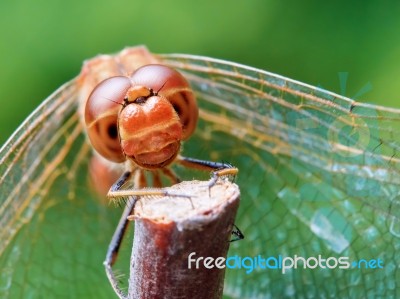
<point>53,231</point>
<point>319,175</point>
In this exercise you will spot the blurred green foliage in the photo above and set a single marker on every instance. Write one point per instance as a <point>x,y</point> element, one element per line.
<point>43,43</point>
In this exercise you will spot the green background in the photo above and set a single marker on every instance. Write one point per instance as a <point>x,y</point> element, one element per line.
<point>350,48</point>
<point>43,43</point>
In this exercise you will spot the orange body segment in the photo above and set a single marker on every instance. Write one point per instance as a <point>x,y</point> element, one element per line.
<point>150,132</point>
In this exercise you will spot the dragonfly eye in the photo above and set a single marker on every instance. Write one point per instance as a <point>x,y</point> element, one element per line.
<point>171,85</point>
<point>101,117</point>
<point>113,131</point>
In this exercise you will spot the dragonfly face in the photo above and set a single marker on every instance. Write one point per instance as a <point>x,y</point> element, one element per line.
<point>142,117</point>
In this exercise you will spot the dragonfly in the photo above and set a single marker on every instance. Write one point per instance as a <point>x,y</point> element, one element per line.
<point>319,175</point>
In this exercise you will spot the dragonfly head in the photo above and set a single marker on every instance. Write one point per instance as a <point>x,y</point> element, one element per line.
<point>142,118</point>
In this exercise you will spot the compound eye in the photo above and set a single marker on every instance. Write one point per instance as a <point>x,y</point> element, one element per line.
<point>169,83</point>
<point>101,117</point>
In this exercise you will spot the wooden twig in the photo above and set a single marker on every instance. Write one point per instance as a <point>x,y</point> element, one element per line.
<point>169,229</point>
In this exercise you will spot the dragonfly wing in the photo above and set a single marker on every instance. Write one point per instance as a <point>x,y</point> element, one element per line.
<point>319,175</point>
<point>54,233</point>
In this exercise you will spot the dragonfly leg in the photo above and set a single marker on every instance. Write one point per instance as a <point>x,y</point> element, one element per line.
<point>116,193</point>
<point>218,169</point>
<point>171,175</point>
<point>113,248</point>
<point>237,234</point>
<point>157,183</point>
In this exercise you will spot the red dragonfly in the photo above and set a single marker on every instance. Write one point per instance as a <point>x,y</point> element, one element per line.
<point>140,120</point>
<point>319,176</point>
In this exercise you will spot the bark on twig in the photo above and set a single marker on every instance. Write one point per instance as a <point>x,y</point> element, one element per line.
<point>168,230</point>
